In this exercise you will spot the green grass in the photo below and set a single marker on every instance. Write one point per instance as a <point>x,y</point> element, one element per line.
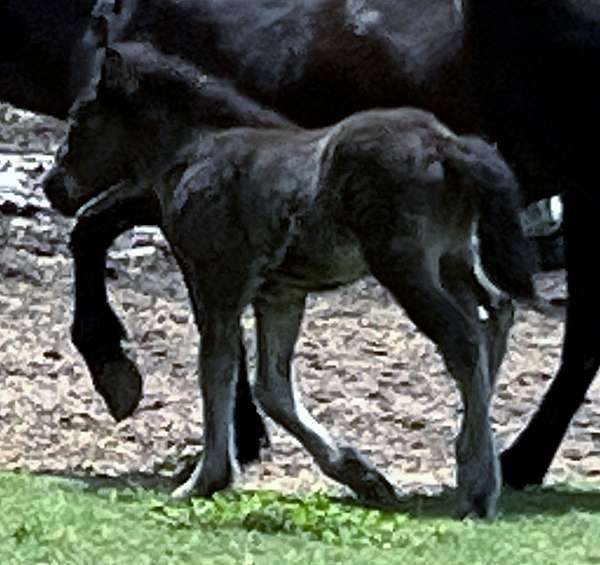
<point>50,520</point>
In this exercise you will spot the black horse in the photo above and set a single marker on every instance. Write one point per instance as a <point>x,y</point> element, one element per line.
<point>531,64</point>
<point>516,71</point>
<point>44,62</point>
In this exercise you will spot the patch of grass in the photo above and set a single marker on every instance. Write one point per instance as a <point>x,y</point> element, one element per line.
<point>49,520</point>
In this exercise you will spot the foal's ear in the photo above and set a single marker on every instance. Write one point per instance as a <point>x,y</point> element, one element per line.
<point>117,74</point>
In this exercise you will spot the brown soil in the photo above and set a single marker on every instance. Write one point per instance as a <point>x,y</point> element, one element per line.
<point>364,371</point>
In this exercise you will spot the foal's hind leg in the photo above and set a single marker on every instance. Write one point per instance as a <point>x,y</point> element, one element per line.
<point>278,322</point>
<point>408,275</point>
<point>459,278</point>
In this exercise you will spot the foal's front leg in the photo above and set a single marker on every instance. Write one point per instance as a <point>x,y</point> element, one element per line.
<point>278,323</point>
<point>219,355</point>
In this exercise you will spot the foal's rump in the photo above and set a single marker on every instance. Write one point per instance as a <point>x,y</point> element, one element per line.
<point>403,176</point>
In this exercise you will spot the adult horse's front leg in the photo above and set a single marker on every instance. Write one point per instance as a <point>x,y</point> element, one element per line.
<point>97,331</point>
<point>527,460</point>
<point>278,321</point>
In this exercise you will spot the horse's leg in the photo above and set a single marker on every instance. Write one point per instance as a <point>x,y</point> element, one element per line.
<point>249,428</point>
<point>250,432</point>
<point>96,329</point>
<point>278,321</point>
<point>436,313</point>
<point>527,460</point>
<point>469,285</point>
<point>501,318</point>
<point>219,356</point>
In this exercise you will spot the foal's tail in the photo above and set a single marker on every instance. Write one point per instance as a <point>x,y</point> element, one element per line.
<point>507,255</point>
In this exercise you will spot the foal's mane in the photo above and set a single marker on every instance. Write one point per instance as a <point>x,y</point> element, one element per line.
<point>137,68</point>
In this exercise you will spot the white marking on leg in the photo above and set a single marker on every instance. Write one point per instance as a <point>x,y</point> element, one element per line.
<point>186,489</point>
<point>496,295</point>
<point>482,313</point>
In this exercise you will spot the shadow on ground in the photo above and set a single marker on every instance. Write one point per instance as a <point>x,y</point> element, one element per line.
<point>555,500</point>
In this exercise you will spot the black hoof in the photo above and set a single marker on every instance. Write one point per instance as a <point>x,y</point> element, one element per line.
<point>520,470</point>
<point>479,506</point>
<point>120,384</point>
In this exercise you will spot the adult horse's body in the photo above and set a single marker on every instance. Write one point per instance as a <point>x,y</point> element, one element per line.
<point>44,63</point>
<point>527,61</point>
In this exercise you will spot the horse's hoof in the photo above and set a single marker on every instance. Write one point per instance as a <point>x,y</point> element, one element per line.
<point>369,484</point>
<point>200,485</point>
<point>184,491</point>
<point>477,506</point>
<point>120,385</point>
<point>521,469</point>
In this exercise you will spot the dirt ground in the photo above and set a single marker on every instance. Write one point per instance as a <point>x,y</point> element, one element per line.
<point>363,369</point>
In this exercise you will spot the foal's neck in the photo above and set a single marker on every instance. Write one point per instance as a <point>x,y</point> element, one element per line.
<point>158,141</point>
<point>164,128</point>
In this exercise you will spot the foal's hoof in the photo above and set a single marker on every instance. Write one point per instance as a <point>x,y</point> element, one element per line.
<point>365,480</point>
<point>120,384</point>
<point>478,497</point>
<point>200,484</point>
<point>482,505</point>
<point>184,491</point>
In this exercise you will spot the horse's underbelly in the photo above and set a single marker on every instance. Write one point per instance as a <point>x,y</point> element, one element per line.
<point>322,263</point>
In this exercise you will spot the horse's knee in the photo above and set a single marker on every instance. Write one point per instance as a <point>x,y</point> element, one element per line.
<point>277,404</point>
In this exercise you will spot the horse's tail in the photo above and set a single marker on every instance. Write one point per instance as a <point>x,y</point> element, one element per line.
<point>508,257</point>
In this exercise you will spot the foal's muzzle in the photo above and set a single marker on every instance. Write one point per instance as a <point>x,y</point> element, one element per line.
<point>55,189</point>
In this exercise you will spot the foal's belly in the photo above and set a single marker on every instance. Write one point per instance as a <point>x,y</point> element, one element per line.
<point>321,261</point>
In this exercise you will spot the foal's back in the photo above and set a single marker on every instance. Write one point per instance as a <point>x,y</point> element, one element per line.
<point>295,199</point>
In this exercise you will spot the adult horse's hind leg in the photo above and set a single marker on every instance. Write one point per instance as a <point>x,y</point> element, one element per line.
<point>278,321</point>
<point>409,277</point>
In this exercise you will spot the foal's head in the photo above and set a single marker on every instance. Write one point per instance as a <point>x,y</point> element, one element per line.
<point>143,107</point>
